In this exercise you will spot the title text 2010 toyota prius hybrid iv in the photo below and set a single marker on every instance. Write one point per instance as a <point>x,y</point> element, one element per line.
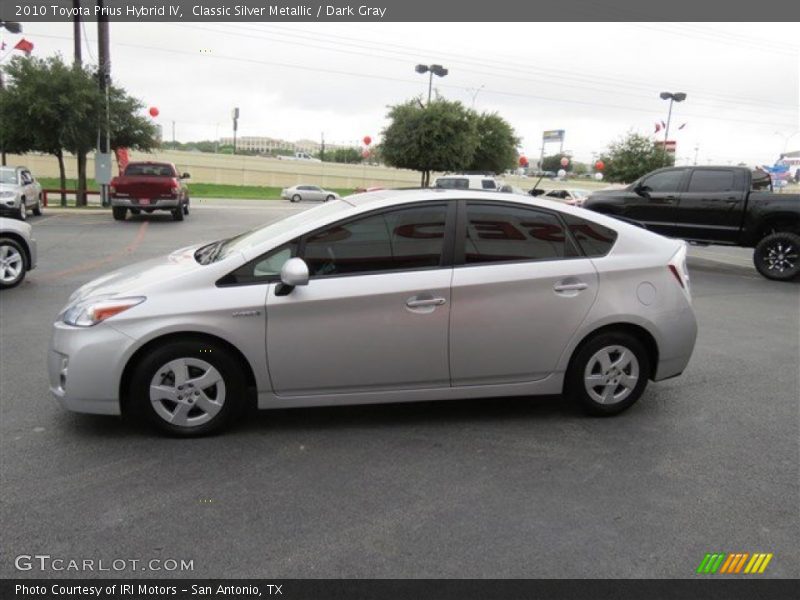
<point>388,296</point>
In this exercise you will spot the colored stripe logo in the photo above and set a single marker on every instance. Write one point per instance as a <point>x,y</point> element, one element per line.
<point>734,563</point>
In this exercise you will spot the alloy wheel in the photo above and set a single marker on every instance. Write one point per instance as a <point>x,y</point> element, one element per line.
<point>611,374</point>
<point>781,256</point>
<point>12,264</point>
<point>187,392</point>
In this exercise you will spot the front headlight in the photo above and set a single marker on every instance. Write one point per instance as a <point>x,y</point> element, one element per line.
<point>7,194</point>
<point>96,310</point>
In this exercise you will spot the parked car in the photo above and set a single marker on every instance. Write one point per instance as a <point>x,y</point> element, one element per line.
<point>466,182</point>
<point>384,297</point>
<point>19,192</point>
<point>296,193</point>
<point>571,196</point>
<point>732,206</point>
<point>147,187</point>
<point>305,156</point>
<point>17,252</point>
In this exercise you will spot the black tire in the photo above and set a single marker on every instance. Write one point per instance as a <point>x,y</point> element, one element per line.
<point>22,213</point>
<point>296,198</point>
<point>17,248</point>
<point>329,198</point>
<point>233,389</point>
<point>576,388</point>
<point>777,256</point>
<point>119,212</point>
<point>177,213</point>
<point>136,211</point>
<point>186,207</point>
<point>37,210</point>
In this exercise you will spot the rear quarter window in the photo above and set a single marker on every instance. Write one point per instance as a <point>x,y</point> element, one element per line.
<point>594,239</point>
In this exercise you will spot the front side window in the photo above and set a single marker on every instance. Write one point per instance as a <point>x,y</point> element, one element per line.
<point>502,233</point>
<point>263,269</point>
<point>403,239</point>
<point>666,181</point>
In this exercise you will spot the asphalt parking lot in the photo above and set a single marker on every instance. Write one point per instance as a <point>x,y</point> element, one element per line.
<point>707,462</point>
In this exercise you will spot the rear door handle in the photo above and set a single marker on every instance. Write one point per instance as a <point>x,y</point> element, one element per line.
<point>423,302</point>
<point>570,287</point>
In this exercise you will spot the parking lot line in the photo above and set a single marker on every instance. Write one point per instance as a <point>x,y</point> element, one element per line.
<point>94,264</point>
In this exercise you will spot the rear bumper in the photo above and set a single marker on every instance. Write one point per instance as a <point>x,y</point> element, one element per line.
<point>154,204</point>
<point>677,336</point>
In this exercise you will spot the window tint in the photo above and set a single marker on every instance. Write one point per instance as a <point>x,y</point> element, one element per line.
<point>593,238</point>
<point>488,184</point>
<point>666,181</point>
<point>452,183</point>
<point>403,239</point>
<point>706,180</point>
<point>507,233</point>
<point>150,170</point>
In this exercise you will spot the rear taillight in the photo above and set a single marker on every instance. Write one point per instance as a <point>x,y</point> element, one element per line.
<point>677,266</point>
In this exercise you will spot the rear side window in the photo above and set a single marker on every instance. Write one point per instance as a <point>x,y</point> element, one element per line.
<point>404,239</point>
<point>594,239</point>
<point>452,183</point>
<point>708,180</point>
<point>502,233</point>
<point>488,184</point>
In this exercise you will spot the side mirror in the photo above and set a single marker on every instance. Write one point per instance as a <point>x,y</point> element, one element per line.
<point>641,190</point>
<point>185,176</point>
<point>293,273</point>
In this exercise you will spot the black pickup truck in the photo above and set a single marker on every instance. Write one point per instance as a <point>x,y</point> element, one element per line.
<point>734,206</point>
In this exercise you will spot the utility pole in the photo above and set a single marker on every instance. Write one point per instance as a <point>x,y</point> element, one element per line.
<point>173,135</point>
<point>696,150</point>
<point>235,115</point>
<point>77,63</point>
<point>104,75</point>
<point>12,27</point>
<point>322,147</point>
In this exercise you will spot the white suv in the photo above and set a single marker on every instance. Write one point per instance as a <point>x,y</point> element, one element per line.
<point>467,182</point>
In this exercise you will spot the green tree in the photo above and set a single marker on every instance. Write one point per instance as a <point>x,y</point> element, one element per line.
<point>552,162</point>
<point>632,156</point>
<point>497,144</point>
<point>441,136</point>
<point>344,155</point>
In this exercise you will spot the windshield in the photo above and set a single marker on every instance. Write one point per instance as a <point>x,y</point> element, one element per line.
<point>220,249</point>
<point>8,176</point>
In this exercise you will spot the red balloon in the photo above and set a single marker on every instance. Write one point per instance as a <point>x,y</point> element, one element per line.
<point>523,161</point>
<point>564,161</point>
<point>599,165</point>
<point>367,140</point>
<point>153,111</point>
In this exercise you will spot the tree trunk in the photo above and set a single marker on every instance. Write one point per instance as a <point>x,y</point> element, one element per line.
<point>63,177</point>
<point>80,195</point>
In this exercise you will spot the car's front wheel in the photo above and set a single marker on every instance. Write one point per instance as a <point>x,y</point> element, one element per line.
<point>188,388</point>
<point>329,198</point>
<point>608,374</point>
<point>12,263</point>
<point>37,210</point>
<point>777,256</point>
<point>22,214</point>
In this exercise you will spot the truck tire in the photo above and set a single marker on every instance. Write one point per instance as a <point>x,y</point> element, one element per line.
<point>177,213</point>
<point>777,256</point>
<point>119,212</point>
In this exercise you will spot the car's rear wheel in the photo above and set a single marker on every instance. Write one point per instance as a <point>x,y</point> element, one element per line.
<point>177,213</point>
<point>186,207</point>
<point>329,198</point>
<point>12,263</point>
<point>119,212</point>
<point>296,198</point>
<point>188,388</point>
<point>608,374</point>
<point>136,211</point>
<point>37,210</point>
<point>777,256</point>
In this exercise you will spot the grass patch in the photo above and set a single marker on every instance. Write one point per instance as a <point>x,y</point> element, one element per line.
<point>199,190</point>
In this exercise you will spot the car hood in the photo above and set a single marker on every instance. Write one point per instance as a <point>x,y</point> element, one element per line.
<point>135,279</point>
<point>8,187</point>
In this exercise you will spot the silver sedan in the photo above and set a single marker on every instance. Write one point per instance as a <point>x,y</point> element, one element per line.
<point>388,296</point>
<point>296,193</point>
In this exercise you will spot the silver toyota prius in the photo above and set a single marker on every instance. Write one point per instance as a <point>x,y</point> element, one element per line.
<point>390,296</point>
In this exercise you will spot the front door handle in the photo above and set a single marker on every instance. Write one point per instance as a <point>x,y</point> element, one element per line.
<point>416,302</point>
<point>570,287</point>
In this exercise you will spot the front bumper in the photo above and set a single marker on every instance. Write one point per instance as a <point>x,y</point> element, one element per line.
<point>153,204</point>
<point>9,206</point>
<point>85,367</point>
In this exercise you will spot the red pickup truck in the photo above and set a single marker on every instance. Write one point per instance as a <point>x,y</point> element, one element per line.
<point>149,186</point>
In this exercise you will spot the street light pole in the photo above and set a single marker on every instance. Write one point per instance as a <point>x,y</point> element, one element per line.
<point>432,70</point>
<point>672,97</point>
